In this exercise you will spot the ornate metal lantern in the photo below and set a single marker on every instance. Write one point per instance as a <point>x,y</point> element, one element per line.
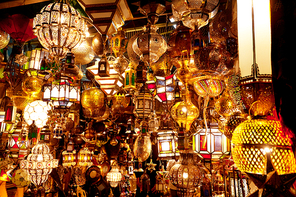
<point>216,145</point>
<point>143,103</point>
<point>39,164</point>
<point>59,28</point>
<point>84,157</point>
<point>130,77</point>
<point>69,158</point>
<point>114,176</point>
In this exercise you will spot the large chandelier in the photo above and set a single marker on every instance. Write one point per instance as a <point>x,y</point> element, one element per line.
<point>59,28</point>
<point>39,164</point>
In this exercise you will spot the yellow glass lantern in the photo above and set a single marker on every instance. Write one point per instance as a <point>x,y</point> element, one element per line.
<point>253,139</point>
<point>143,145</point>
<point>32,85</point>
<point>167,144</point>
<point>36,111</point>
<point>130,77</point>
<point>225,105</point>
<point>118,43</point>
<point>92,98</point>
<point>184,113</point>
<point>84,157</point>
<point>39,164</point>
<point>69,158</point>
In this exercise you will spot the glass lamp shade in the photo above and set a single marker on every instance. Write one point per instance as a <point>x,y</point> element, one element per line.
<point>114,176</point>
<point>217,144</point>
<point>39,164</point>
<point>254,138</point>
<point>32,85</point>
<point>258,97</point>
<point>225,105</point>
<point>36,111</point>
<point>149,45</point>
<point>84,157</point>
<point>142,147</point>
<point>185,175</point>
<point>231,123</point>
<point>59,28</point>
<point>4,39</point>
<point>69,158</point>
<point>194,13</point>
<point>83,52</point>
<point>19,97</point>
<point>184,113</point>
<point>208,86</point>
<point>92,98</point>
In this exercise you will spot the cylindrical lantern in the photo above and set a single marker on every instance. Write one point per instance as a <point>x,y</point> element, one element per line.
<point>39,164</point>
<point>114,176</point>
<point>59,28</point>
<point>84,157</point>
<point>143,103</point>
<point>69,158</point>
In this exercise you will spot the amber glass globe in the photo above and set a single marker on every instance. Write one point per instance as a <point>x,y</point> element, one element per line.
<point>254,139</point>
<point>225,106</point>
<point>184,113</point>
<point>32,85</point>
<point>4,39</point>
<point>92,98</point>
<point>37,112</point>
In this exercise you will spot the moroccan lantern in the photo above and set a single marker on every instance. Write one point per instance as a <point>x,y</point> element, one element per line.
<point>142,145</point>
<point>37,112</point>
<point>59,28</point>
<point>167,143</point>
<point>118,43</point>
<point>185,175</point>
<point>184,113</point>
<point>253,139</point>
<point>21,178</point>
<point>84,157</point>
<point>194,13</point>
<point>69,158</point>
<point>103,67</point>
<point>143,103</point>
<point>32,85</point>
<point>92,98</point>
<point>149,45</point>
<point>211,143</point>
<point>98,44</point>
<point>39,164</point>
<point>120,64</point>
<point>231,123</point>
<point>83,52</point>
<point>114,176</point>
<point>4,39</point>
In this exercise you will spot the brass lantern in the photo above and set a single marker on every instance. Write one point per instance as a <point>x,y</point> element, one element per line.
<point>167,144</point>
<point>118,43</point>
<point>254,139</point>
<point>143,103</point>
<point>84,157</point>
<point>103,67</point>
<point>114,176</point>
<point>143,145</point>
<point>59,28</point>
<point>69,158</point>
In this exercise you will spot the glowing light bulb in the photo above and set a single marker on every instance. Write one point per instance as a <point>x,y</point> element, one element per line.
<point>39,158</point>
<point>185,175</point>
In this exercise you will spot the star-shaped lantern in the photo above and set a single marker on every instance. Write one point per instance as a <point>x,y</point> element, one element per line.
<point>151,166</point>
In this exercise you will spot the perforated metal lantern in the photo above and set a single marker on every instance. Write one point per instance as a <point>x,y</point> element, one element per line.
<point>252,139</point>
<point>39,164</point>
<point>59,28</point>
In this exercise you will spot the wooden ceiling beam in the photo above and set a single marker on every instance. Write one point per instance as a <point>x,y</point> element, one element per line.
<point>17,3</point>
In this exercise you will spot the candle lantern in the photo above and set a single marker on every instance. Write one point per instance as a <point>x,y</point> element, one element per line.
<point>143,103</point>
<point>69,158</point>
<point>167,144</point>
<point>114,176</point>
<point>84,157</point>
<point>103,67</point>
<point>130,77</point>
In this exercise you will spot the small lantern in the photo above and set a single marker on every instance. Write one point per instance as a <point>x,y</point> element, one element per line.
<point>10,112</point>
<point>141,73</point>
<point>161,185</point>
<point>118,42</point>
<point>39,164</point>
<point>45,135</point>
<point>143,145</point>
<point>69,158</point>
<point>143,103</point>
<point>114,176</point>
<point>18,142</point>
<point>216,146</point>
<point>103,67</point>
<point>130,77</point>
<point>84,157</point>
<point>167,144</point>
<point>36,58</point>
<point>162,88</point>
